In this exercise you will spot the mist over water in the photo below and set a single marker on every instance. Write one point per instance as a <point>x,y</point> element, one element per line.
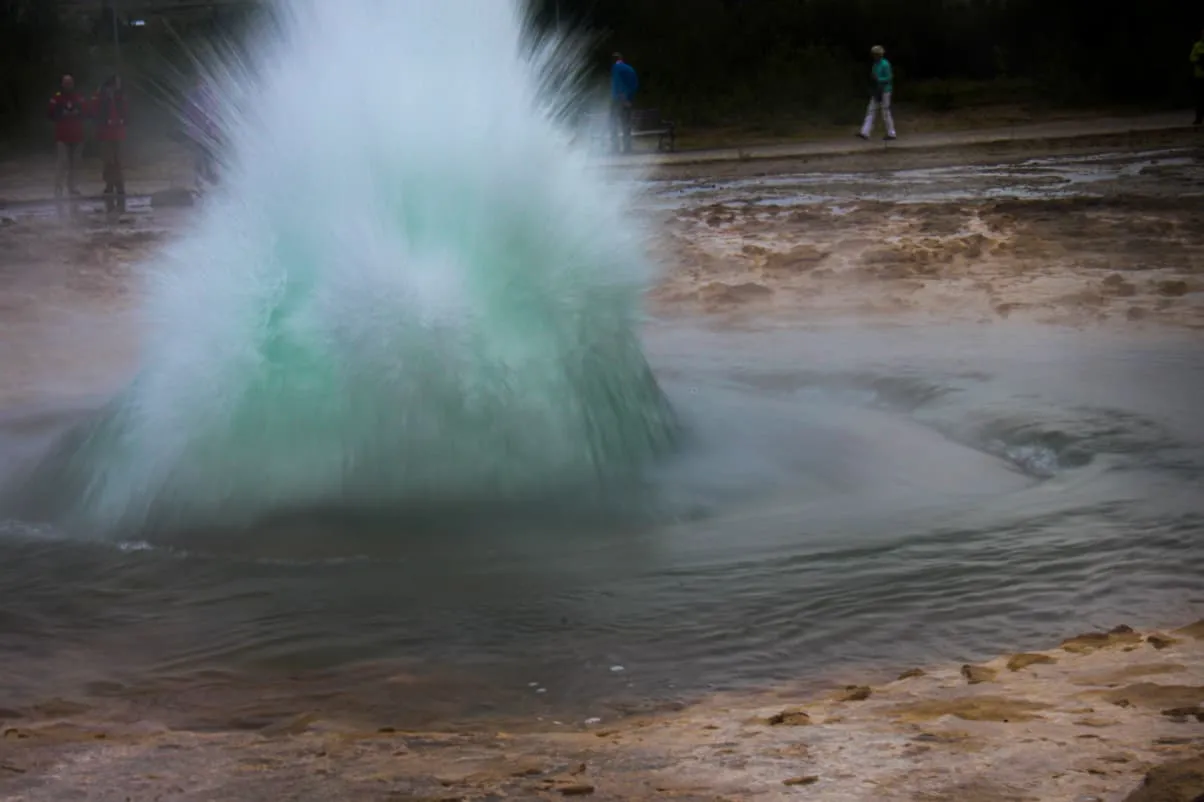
<point>411,286</point>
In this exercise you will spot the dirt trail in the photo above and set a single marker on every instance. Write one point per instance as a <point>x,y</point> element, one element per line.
<point>1113,131</point>
<point>153,167</point>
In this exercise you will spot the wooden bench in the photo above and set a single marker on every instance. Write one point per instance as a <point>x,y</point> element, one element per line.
<point>644,122</point>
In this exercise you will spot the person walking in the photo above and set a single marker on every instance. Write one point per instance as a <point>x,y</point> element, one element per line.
<point>623,85</point>
<point>883,79</point>
<point>67,110</point>
<point>1197,60</point>
<point>109,109</point>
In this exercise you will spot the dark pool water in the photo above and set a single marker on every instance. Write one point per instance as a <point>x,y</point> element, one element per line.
<point>851,498</point>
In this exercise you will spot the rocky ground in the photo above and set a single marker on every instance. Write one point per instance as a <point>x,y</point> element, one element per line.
<point>1104,717</point>
<point>1077,261</point>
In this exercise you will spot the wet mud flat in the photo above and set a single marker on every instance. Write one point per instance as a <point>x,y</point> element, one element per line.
<point>66,289</point>
<point>1111,715</point>
<point>1064,241</point>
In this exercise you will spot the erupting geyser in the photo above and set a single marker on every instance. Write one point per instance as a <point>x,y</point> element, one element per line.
<point>411,285</point>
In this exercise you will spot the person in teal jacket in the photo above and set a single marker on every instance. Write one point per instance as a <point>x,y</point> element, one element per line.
<point>883,78</point>
<point>1197,60</point>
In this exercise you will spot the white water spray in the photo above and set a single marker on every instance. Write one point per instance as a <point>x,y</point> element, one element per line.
<point>411,286</point>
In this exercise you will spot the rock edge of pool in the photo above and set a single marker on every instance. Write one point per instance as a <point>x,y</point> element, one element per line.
<point>1106,715</point>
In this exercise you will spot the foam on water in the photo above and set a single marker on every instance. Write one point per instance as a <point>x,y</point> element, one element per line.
<point>411,285</point>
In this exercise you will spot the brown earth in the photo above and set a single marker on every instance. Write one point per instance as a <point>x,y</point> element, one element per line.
<point>1119,718</point>
<point>65,289</point>
<point>1075,262</point>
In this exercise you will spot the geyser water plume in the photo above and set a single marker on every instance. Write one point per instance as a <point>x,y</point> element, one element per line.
<point>411,286</point>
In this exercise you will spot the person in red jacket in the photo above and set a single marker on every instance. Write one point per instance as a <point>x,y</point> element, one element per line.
<point>67,110</point>
<point>109,108</point>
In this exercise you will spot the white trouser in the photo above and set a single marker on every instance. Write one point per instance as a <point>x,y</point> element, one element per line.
<point>872,112</point>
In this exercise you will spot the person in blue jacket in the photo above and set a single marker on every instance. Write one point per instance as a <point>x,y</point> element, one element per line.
<point>623,85</point>
<point>882,78</point>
